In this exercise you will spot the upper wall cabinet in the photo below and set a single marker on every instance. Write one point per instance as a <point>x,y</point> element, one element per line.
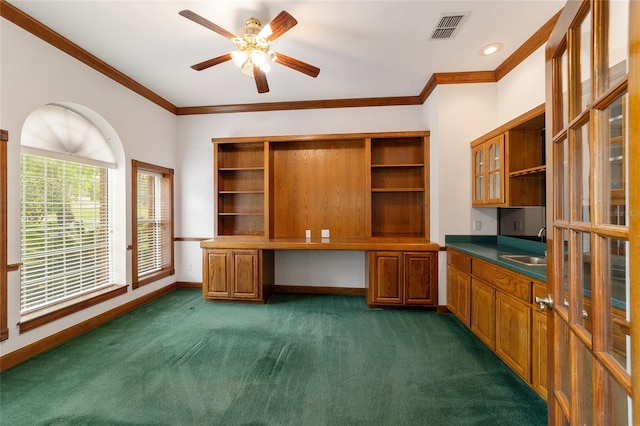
<point>357,186</point>
<point>508,164</point>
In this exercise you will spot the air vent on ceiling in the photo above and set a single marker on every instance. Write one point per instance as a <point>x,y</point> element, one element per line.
<point>448,25</point>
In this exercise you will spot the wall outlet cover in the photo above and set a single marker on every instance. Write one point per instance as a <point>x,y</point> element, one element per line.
<point>325,233</point>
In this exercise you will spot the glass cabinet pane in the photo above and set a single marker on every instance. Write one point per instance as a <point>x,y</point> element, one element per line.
<point>613,123</point>
<point>618,40</point>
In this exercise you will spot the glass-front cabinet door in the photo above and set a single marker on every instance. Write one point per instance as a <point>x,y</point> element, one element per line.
<point>588,208</point>
<point>488,172</point>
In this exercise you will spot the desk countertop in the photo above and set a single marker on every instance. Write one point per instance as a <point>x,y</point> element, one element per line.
<point>400,244</point>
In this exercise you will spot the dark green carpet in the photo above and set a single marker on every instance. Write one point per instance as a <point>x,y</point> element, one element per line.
<point>299,360</point>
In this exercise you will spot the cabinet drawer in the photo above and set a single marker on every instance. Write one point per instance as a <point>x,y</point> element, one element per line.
<point>515,285</point>
<point>539,290</point>
<point>459,260</point>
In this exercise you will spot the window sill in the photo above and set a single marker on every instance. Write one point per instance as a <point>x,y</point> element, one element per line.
<point>51,313</point>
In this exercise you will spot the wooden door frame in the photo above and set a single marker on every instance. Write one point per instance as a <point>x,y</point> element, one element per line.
<point>634,199</point>
<point>555,43</point>
<point>4,330</point>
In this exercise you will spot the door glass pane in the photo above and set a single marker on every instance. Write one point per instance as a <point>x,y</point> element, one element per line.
<point>586,386</point>
<point>622,412</point>
<point>618,42</point>
<point>565,88</point>
<point>564,268</point>
<point>492,186</point>
<point>497,183</point>
<point>561,158</point>
<point>583,170</point>
<point>496,157</point>
<point>584,34</point>
<point>616,162</point>
<point>618,323</point>
<point>584,282</point>
<point>564,367</point>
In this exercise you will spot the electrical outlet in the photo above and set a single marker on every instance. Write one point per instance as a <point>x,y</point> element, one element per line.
<point>189,267</point>
<point>477,225</point>
<point>325,233</point>
<point>517,225</point>
<point>307,234</point>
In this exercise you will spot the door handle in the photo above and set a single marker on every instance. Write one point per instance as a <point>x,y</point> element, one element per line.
<point>545,303</point>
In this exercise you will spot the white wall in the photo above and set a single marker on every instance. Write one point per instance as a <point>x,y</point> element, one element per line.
<point>34,74</point>
<point>522,89</point>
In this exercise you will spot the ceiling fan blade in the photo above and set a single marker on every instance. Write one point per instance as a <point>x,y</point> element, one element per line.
<point>206,23</point>
<point>211,62</point>
<point>297,65</point>
<point>261,80</point>
<point>278,26</point>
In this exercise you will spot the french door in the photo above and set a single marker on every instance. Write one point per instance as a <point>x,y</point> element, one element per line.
<point>592,212</point>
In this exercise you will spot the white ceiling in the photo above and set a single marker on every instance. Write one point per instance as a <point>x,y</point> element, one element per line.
<point>363,48</point>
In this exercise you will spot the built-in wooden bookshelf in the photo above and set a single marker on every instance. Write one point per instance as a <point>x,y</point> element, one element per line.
<point>240,189</point>
<point>355,185</point>
<point>398,186</point>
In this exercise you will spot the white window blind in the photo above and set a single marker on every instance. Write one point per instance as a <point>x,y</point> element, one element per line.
<point>154,240</point>
<point>65,230</point>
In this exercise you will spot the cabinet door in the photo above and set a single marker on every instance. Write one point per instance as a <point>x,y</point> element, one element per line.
<point>483,312</point>
<point>463,283</point>
<point>513,334</point>
<point>385,277</point>
<point>478,174</point>
<point>495,170</point>
<point>539,354</point>
<point>245,274</point>
<point>216,276</point>
<point>452,290</point>
<point>539,372</point>
<point>420,279</point>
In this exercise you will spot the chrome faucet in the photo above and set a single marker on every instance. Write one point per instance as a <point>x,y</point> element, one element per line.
<point>541,232</point>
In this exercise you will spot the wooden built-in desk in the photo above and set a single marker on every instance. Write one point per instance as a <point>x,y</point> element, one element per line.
<point>400,271</point>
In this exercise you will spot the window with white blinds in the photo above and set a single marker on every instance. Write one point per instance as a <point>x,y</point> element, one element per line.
<point>65,230</point>
<point>153,216</point>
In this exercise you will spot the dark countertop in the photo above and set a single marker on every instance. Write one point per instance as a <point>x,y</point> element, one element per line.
<point>490,247</point>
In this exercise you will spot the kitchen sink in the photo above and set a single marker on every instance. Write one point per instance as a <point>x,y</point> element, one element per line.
<point>526,260</point>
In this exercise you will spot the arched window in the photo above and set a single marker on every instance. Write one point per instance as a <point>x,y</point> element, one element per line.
<point>66,234</point>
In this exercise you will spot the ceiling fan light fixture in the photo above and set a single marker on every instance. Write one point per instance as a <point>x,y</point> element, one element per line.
<point>239,57</point>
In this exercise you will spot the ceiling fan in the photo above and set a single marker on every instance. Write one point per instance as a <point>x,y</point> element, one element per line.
<point>254,54</point>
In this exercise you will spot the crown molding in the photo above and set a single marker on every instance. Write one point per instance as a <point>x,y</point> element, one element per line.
<point>31,25</point>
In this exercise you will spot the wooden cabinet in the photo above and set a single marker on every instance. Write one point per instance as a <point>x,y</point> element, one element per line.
<point>402,278</point>
<point>488,172</point>
<point>497,305</point>
<point>508,164</point>
<point>237,275</point>
<point>459,286</point>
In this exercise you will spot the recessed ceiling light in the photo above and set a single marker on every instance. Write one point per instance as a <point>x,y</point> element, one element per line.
<point>490,49</point>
